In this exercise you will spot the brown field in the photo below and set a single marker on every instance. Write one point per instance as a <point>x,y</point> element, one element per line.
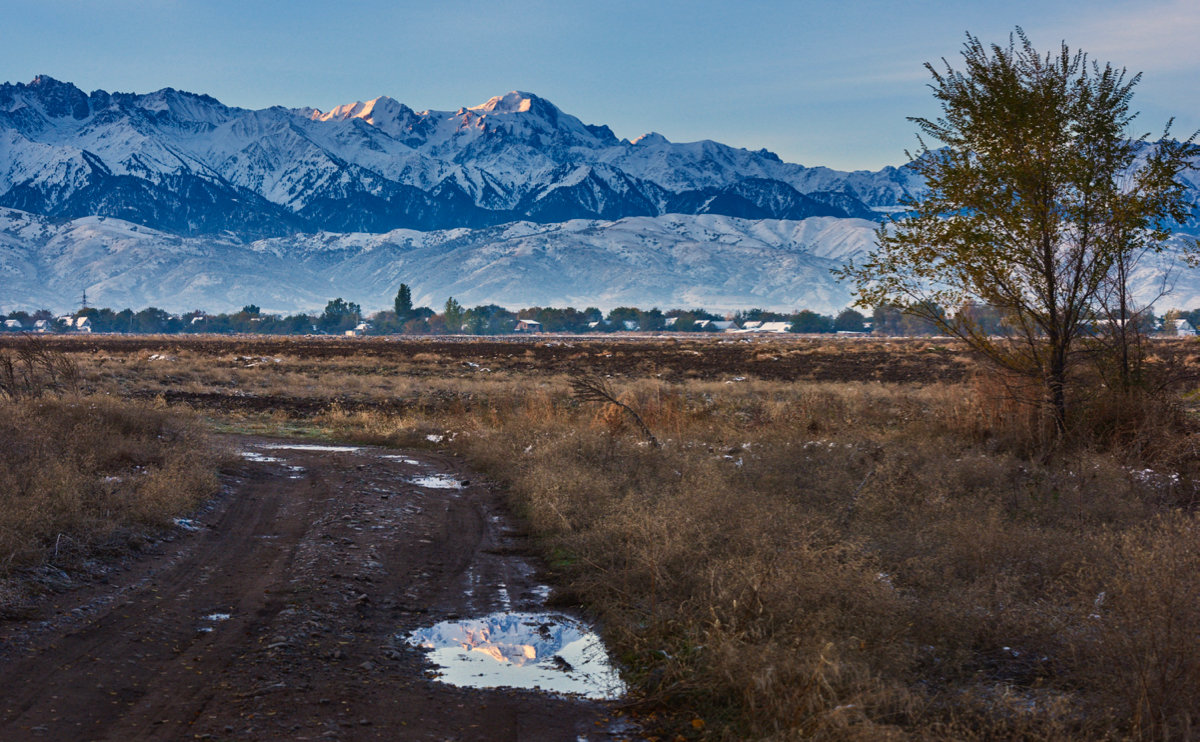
<point>857,539</point>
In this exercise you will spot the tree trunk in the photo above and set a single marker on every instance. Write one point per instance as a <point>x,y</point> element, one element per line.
<point>1057,383</point>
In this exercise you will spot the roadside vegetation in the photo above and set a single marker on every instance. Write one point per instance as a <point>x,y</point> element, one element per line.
<point>86,473</point>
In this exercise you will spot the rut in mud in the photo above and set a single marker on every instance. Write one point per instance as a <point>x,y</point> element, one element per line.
<point>283,616</point>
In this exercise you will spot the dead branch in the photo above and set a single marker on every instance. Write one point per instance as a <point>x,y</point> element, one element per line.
<point>589,388</point>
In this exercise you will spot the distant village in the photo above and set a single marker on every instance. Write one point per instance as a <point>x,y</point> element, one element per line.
<point>345,318</point>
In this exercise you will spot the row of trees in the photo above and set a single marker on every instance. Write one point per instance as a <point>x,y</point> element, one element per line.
<point>340,315</point>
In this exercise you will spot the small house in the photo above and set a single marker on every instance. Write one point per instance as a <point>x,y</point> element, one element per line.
<point>528,325</point>
<point>1183,328</point>
<point>43,325</point>
<point>83,324</point>
<point>359,330</point>
<point>13,324</point>
<point>775,327</point>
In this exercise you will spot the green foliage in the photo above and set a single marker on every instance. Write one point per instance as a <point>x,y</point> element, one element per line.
<point>339,315</point>
<point>403,304</point>
<point>1035,195</point>
<point>811,322</point>
<point>850,321</point>
<point>488,319</point>
<point>763,315</point>
<point>453,315</point>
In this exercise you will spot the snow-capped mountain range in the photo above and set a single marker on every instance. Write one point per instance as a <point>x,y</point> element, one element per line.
<point>185,163</point>
<point>174,199</point>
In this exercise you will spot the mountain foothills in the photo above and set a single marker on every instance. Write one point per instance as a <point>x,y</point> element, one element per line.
<point>171,198</point>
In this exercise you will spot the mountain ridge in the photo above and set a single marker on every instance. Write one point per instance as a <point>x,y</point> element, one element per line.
<point>174,199</point>
<point>381,165</point>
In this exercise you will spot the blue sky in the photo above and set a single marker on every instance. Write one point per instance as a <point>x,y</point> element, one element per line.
<point>820,82</point>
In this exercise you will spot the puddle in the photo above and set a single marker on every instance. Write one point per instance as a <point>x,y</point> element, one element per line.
<point>310,447</point>
<point>187,524</point>
<point>549,652</point>
<point>262,458</point>
<point>214,618</point>
<point>402,459</point>
<point>437,482</point>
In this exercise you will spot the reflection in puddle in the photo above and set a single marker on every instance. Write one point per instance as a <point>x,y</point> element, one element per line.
<point>309,447</point>
<point>404,459</point>
<point>437,482</point>
<point>521,650</point>
<point>218,617</point>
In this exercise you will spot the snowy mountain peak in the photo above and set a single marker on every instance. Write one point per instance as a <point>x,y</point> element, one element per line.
<point>45,81</point>
<point>512,102</point>
<point>649,138</point>
<point>340,113</point>
<point>57,99</point>
<point>384,113</point>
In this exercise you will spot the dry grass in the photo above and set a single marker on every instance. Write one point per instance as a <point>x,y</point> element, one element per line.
<point>819,560</point>
<point>855,561</point>
<point>80,473</point>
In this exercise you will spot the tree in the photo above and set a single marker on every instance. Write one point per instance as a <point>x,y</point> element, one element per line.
<point>339,315</point>
<point>404,305</point>
<point>1035,197</point>
<point>850,321</point>
<point>453,315</point>
<point>618,316</point>
<point>808,321</point>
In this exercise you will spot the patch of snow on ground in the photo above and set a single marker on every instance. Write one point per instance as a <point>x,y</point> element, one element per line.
<point>310,447</point>
<point>437,482</point>
<point>259,457</point>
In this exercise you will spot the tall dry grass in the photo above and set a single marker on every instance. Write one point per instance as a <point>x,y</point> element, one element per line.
<point>856,561</point>
<point>81,473</point>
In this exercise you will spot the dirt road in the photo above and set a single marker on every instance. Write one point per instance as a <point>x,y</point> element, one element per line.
<point>277,616</point>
